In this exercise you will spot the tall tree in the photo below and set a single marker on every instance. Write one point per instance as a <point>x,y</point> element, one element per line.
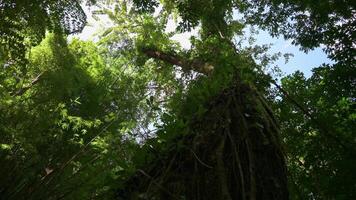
<point>223,133</point>
<point>135,116</point>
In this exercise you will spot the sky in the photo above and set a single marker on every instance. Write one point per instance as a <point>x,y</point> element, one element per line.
<point>301,61</point>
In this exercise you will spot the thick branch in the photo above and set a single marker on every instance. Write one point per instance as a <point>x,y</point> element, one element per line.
<point>33,82</point>
<point>195,65</point>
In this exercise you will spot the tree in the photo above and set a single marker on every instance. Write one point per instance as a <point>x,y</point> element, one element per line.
<point>289,19</point>
<point>67,123</point>
<point>225,131</point>
<point>135,116</point>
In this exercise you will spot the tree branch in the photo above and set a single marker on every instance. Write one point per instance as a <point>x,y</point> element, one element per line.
<point>195,65</point>
<point>33,82</point>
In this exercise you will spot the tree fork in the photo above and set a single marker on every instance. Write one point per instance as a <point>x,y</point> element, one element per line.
<point>195,65</point>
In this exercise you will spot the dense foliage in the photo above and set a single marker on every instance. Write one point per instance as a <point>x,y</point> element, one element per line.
<point>24,23</point>
<point>135,116</point>
<point>321,149</point>
<point>308,23</point>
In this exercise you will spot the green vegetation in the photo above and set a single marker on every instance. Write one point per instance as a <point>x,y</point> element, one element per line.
<point>136,116</point>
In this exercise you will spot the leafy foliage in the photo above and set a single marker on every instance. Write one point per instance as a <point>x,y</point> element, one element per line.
<point>104,120</point>
<point>320,167</point>
<point>308,23</point>
<point>24,24</point>
<point>53,131</point>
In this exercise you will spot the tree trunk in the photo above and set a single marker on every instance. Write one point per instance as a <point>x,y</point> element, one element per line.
<point>232,152</point>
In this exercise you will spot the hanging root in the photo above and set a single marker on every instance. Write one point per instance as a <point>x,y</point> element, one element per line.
<point>233,152</point>
<point>220,170</point>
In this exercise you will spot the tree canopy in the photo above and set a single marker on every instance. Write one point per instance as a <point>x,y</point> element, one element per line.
<point>134,115</point>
